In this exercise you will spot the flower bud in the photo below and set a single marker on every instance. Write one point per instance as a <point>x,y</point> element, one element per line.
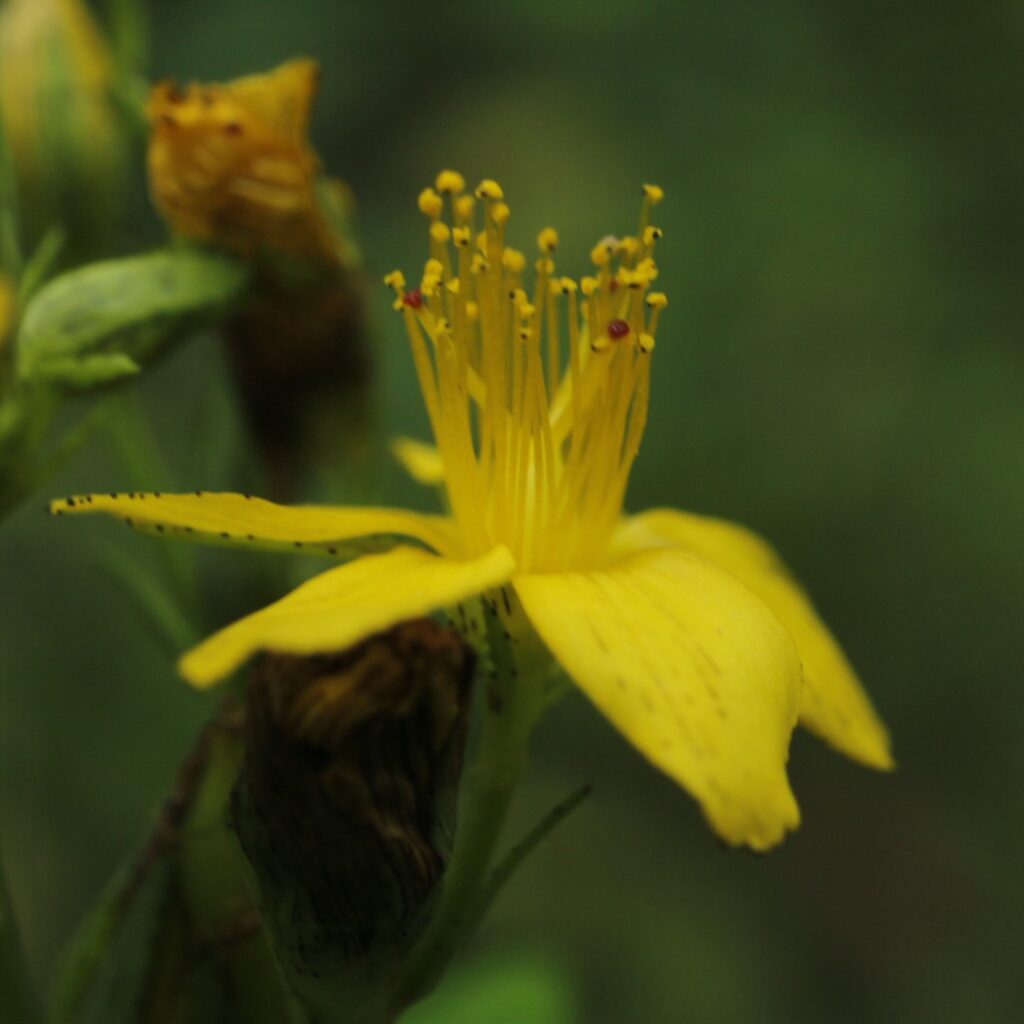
<point>57,112</point>
<point>8,314</point>
<point>345,802</point>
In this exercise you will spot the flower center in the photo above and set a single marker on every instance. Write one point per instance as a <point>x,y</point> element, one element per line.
<point>537,399</point>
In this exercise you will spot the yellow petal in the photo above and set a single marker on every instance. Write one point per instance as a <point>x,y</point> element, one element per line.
<point>692,669</point>
<point>242,521</point>
<point>282,98</point>
<point>421,461</point>
<point>344,605</point>
<point>833,704</point>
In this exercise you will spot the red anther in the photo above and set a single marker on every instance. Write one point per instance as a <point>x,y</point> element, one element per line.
<point>413,299</point>
<point>617,329</point>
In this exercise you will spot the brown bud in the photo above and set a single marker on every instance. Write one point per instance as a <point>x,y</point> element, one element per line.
<point>345,803</point>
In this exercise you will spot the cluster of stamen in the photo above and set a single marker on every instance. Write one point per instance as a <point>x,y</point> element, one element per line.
<point>537,399</point>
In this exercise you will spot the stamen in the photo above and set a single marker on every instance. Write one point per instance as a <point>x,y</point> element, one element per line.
<point>450,183</point>
<point>489,189</point>
<point>537,448</point>
<point>430,203</point>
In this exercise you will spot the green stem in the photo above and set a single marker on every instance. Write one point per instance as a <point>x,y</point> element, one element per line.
<point>513,703</point>
<point>213,880</point>
<point>17,999</point>
<point>515,857</point>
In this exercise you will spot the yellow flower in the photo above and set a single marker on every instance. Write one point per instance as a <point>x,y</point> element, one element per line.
<point>686,632</point>
<point>232,163</point>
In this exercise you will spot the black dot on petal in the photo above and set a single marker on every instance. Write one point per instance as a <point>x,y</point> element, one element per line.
<point>225,535</point>
<point>199,494</point>
<point>156,494</point>
<point>332,551</point>
<point>188,529</point>
<point>159,527</point>
<point>298,543</point>
<point>250,536</point>
<point>71,502</point>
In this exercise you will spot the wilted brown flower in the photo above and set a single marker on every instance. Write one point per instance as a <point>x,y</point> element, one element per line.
<point>232,164</point>
<point>345,803</point>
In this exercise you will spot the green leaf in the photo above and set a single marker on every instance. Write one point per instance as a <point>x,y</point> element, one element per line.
<point>509,990</point>
<point>109,965</point>
<point>87,328</point>
<point>87,372</point>
<point>175,938</point>
<point>17,1002</point>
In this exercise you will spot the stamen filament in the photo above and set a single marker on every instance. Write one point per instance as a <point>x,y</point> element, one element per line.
<point>536,455</point>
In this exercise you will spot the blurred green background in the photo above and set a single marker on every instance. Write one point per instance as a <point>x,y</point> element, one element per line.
<point>841,368</point>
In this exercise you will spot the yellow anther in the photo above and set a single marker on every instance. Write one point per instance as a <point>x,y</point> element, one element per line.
<point>449,182</point>
<point>657,300</point>
<point>472,310</point>
<point>453,286</point>
<point>433,268</point>
<point>588,285</point>
<point>431,278</point>
<point>513,261</point>
<point>464,208</point>
<point>645,343</point>
<point>547,240</point>
<point>501,213</point>
<point>396,279</point>
<point>519,297</point>
<point>489,189</point>
<point>628,247</point>
<point>430,203</point>
<point>481,241</point>
<point>601,343</point>
<point>479,264</point>
<point>545,266</point>
<point>649,269</point>
<point>655,193</point>
<point>462,237</point>
<point>604,250</point>
<point>567,285</point>
<point>651,235</point>
<point>440,232</point>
